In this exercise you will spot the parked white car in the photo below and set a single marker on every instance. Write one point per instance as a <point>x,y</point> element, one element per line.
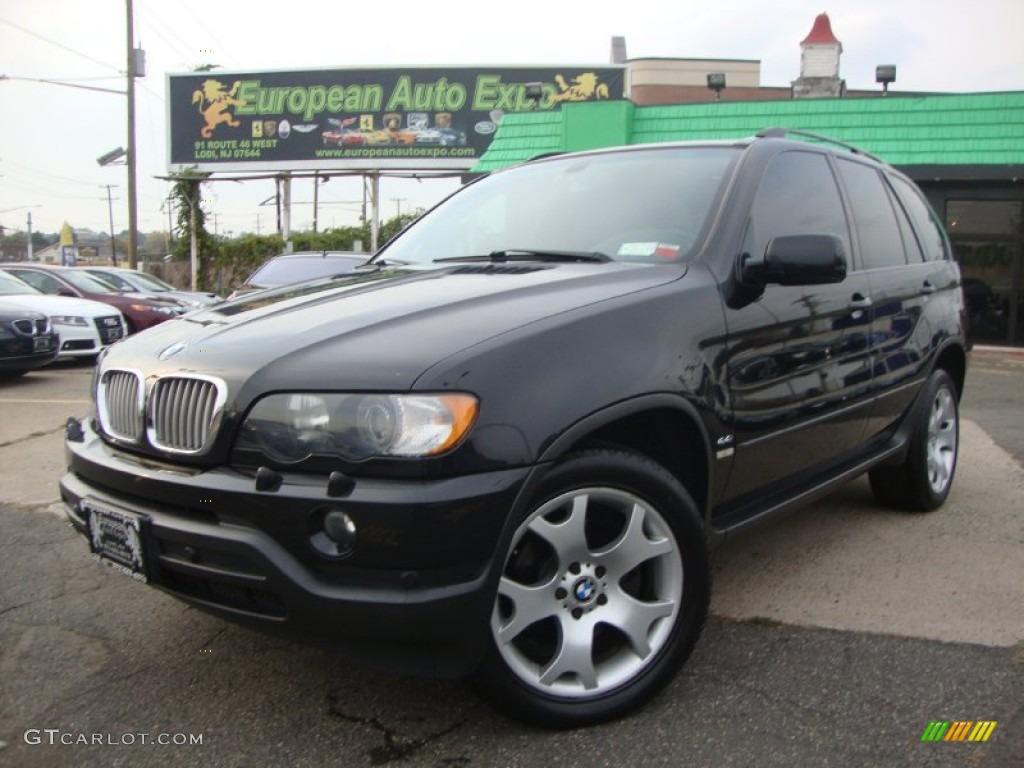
<point>85,327</point>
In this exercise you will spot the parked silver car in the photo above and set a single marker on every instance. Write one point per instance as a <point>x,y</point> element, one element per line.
<point>143,282</point>
<point>297,267</point>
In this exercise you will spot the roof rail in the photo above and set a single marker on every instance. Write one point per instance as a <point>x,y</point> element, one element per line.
<point>781,133</point>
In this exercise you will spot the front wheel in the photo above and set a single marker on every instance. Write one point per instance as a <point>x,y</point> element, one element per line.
<point>923,481</point>
<point>603,594</point>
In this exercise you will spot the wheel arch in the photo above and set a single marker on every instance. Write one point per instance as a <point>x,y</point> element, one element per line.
<point>953,360</point>
<point>662,427</point>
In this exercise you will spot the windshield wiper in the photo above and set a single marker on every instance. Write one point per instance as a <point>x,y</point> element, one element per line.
<point>527,254</point>
<point>384,263</point>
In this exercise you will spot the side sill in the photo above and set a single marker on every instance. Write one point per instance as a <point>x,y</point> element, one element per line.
<point>747,516</point>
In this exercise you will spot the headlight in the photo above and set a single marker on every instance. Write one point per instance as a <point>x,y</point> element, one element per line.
<point>167,311</point>
<point>69,320</point>
<point>289,428</point>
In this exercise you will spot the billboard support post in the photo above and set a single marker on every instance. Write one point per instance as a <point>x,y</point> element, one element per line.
<point>193,242</point>
<point>316,199</point>
<point>286,211</point>
<point>374,210</point>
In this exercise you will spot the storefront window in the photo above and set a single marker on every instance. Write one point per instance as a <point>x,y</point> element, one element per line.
<point>987,238</point>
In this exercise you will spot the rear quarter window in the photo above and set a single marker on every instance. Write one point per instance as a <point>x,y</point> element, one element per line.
<point>929,232</point>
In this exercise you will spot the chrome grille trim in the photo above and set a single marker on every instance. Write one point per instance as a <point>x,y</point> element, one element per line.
<point>119,402</point>
<point>184,412</point>
<point>109,328</point>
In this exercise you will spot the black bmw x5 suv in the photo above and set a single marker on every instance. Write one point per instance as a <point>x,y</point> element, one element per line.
<point>504,446</point>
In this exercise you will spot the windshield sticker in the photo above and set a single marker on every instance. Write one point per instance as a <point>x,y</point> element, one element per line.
<point>664,250</point>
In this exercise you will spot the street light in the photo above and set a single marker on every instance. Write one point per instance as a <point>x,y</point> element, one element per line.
<point>885,74</point>
<point>716,83</point>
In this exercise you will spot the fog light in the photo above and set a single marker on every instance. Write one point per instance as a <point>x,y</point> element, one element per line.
<point>335,535</point>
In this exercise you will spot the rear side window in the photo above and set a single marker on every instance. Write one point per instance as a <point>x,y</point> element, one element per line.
<point>797,196</point>
<point>929,231</point>
<point>878,232</point>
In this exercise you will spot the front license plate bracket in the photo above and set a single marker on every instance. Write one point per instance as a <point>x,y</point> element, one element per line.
<point>116,538</point>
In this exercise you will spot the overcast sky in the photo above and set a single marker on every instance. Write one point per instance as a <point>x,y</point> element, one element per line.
<point>50,136</point>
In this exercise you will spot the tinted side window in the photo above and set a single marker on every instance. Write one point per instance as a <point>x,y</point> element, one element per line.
<point>797,196</point>
<point>44,283</point>
<point>929,231</point>
<point>877,231</point>
<point>910,243</point>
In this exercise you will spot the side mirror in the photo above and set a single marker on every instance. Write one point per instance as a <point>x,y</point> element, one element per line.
<point>798,260</point>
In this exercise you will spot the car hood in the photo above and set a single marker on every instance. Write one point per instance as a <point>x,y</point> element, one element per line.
<point>372,330</point>
<point>61,305</point>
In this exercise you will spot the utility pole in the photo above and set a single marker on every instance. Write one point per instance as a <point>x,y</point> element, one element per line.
<point>398,203</point>
<point>133,214</point>
<point>169,202</point>
<point>29,236</point>
<point>110,207</point>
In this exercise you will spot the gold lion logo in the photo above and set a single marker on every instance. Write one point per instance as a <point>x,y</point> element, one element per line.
<point>217,100</point>
<point>582,88</point>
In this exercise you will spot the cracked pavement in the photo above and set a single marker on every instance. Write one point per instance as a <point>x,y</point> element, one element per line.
<point>838,634</point>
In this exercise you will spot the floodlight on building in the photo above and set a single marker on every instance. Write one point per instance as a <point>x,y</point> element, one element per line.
<point>111,157</point>
<point>716,83</point>
<point>885,74</point>
<point>533,91</point>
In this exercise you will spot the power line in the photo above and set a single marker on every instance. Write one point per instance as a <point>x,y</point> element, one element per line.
<point>60,45</point>
<point>44,173</point>
<point>37,191</point>
<point>162,27</point>
<point>199,21</point>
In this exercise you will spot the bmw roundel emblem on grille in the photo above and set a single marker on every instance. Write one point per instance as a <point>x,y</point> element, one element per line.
<point>584,590</point>
<point>175,349</point>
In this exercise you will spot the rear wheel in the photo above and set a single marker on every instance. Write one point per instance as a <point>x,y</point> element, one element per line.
<point>603,595</point>
<point>923,481</point>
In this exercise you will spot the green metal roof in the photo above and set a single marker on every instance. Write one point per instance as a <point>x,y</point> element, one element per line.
<point>979,129</point>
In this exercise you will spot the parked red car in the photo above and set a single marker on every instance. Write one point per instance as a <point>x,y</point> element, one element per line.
<point>140,312</point>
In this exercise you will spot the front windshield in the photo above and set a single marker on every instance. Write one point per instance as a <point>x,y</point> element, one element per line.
<point>12,286</point>
<point>84,282</point>
<point>115,280</point>
<point>152,283</point>
<point>646,205</point>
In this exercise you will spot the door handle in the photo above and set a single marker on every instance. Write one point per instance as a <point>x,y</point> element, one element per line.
<point>860,301</point>
<point>927,288</point>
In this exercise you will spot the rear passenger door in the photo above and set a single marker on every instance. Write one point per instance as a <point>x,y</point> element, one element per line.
<point>892,248</point>
<point>798,370</point>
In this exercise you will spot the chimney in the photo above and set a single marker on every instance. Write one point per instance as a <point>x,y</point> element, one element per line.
<point>618,50</point>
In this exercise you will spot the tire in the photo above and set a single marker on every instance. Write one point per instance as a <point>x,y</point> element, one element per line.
<point>923,481</point>
<point>603,595</point>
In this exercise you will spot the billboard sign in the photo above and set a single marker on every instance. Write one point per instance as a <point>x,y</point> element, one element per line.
<point>420,118</point>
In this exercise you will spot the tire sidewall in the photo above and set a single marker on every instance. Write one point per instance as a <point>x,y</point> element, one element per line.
<point>938,381</point>
<point>638,475</point>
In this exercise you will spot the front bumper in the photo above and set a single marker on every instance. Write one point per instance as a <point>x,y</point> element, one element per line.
<point>415,595</point>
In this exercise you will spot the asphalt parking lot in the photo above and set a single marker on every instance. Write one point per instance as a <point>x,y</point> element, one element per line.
<point>838,634</point>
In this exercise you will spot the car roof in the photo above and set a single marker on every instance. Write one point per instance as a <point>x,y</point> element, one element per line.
<point>775,136</point>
